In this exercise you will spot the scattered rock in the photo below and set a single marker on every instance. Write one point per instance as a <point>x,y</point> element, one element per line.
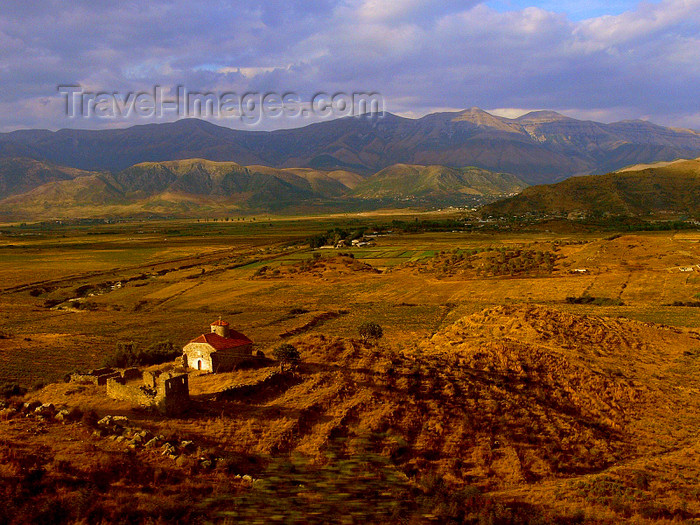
<point>152,443</point>
<point>7,413</point>
<point>30,407</point>
<point>46,410</point>
<point>187,447</point>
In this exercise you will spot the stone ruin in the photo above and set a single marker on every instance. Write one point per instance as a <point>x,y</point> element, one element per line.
<point>166,392</point>
<point>97,377</point>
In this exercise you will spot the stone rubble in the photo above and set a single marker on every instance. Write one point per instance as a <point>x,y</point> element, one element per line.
<point>120,430</point>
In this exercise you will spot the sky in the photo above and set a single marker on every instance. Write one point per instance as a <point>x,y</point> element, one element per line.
<point>596,60</point>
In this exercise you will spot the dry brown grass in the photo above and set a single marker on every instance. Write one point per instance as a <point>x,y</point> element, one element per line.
<point>487,380</point>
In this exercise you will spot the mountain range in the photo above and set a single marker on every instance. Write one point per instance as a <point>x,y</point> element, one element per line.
<point>199,186</point>
<point>538,147</point>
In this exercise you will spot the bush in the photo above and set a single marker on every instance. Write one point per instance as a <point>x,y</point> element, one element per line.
<point>50,303</point>
<point>11,389</point>
<point>128,354</point>
<point>286,354</point>
<point>370,330</point>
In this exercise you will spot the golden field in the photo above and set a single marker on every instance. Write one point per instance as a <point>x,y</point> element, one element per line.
<point>562,395</point>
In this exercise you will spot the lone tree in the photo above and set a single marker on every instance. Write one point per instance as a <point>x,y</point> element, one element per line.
<point>370,330</point>
<point>286,354</point>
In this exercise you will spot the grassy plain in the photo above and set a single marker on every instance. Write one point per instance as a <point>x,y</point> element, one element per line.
<point>539,385</point>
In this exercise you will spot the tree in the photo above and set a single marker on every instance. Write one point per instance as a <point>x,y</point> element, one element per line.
<point>286,354</point>
<point>370,330</point>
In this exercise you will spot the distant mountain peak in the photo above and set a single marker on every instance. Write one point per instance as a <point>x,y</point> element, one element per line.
<point>542,116</point>
<point>482,118</point>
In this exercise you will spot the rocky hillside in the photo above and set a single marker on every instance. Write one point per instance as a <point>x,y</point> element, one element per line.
<point>19,175</point>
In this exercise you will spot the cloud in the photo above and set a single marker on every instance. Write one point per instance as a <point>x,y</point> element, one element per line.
<point>421,55</point>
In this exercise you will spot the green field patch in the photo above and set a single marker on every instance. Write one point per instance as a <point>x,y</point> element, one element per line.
<point>303,256</point>
<point>389,261</point>
<point>254,264</point>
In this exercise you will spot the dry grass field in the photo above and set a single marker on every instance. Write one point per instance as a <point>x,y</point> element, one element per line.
<point>540,377</point>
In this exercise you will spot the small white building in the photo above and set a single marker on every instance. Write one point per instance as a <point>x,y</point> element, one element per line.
<point>218,351</point>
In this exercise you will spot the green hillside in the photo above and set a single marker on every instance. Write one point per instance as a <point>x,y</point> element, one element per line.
<point>664,188</point>
<point>404,181</point>
<point>198,186</point>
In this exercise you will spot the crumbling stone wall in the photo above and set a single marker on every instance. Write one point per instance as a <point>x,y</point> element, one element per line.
<point>98,376</point>
<point>172,393</point>
<point>167,392</point>
<point>137,395</point>
<point>272,383</point>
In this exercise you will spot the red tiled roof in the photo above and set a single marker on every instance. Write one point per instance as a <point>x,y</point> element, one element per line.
<point>219,323</point>
<point>223,343</point>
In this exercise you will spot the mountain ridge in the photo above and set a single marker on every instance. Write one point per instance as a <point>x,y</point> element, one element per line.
<point>202,186</point>
<point>539,147</point>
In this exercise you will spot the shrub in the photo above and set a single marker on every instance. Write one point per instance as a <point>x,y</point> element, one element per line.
<point>596,301</point>
<point>128,354</point>
<point>370,330</point>
<point>50,303</point>
<point>286,354</point>
<point>11,389</point>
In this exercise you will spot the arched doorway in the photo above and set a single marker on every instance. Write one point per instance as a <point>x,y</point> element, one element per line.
<point>199,364</point>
